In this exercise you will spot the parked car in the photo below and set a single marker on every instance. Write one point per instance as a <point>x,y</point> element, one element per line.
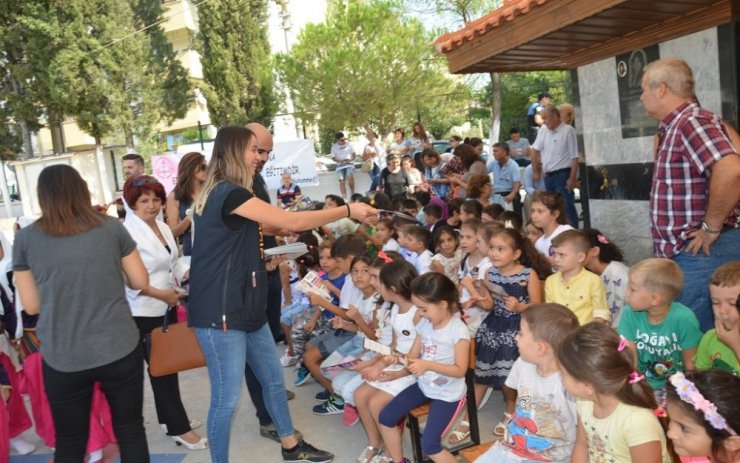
<point>440,146</point>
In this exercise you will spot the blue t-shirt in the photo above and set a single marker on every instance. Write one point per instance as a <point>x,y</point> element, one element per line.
<point>660,347</point>
<point>338,282</point>
<point>504,176</point>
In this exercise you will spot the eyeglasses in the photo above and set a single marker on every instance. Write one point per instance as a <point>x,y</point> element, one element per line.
<point>145,180</point>
<point>262,151</point>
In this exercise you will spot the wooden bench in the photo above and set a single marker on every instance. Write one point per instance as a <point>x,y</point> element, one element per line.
<point>469,455</point>
<point>419,412</point>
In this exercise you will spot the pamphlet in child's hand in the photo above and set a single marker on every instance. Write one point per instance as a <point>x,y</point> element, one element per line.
<point>290,251</point>
<point>312,283</point>
<point>497,291</point>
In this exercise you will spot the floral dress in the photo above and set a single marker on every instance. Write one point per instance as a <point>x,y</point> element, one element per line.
<point>495,346</point>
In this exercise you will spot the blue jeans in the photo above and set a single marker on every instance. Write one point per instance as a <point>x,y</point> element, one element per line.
<point>374,177</point>
<point>227,354</point>
<point>698,270</point>
<point>556,183</point>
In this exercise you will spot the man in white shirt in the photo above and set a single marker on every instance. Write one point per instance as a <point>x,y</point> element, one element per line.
<point>555,157</point>
<point>343,153</point>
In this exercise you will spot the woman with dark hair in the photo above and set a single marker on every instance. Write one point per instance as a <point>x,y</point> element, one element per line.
<point>228,289</point>
<point>419,141</point>
<point>480,188</point>
<point>69,267</point>
<point>158,249</point>
<point>191,173</point>
<point>393,179</point>
<point>432,167</point>
<point>471,163</point>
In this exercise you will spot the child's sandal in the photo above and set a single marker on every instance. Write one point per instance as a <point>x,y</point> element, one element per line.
<point>500,428</point>
<point>368,454</point>
<point>458,436</point>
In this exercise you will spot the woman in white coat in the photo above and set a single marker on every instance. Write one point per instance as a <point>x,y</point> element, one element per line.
<point>159,252</point>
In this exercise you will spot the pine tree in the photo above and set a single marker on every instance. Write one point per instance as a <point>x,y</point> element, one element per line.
<point>237,69</point>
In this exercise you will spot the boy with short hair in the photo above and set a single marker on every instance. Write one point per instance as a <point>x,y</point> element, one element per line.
<point>453,214</point>
<point>342,251</point>
<point>432,215</point>
<point>417,240</point>
<point>661,332</point>
<point>543,426</point>
<point>720,347</point>
<point>572,285</point>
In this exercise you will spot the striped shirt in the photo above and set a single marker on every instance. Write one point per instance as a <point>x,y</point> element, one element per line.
<point>691,141</point>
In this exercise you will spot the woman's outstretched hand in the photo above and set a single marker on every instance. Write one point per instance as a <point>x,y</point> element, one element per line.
<point>361,211</point>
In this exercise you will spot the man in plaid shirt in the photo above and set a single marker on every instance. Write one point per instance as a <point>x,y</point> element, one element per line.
<point>695,196</point>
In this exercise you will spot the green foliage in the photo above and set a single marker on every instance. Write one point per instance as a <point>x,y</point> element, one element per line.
<point>237,69</point>
<point>368,65</point>
<point>518,91</point>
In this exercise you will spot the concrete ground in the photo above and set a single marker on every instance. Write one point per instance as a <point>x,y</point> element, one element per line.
<point>247,446</point>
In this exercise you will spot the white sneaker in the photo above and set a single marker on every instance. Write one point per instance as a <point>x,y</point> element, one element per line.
<point>22,446</point>
<point>287,360</point>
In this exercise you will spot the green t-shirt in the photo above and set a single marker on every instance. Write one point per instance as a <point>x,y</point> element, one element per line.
<point>659,347</point>
<point>713,353</point>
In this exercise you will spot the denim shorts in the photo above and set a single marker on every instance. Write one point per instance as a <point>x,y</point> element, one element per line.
<point>345,171</point>
<point>331,341</point>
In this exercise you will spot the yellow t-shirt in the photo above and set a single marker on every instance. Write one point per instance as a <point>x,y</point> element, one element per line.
<point>584,294</point>
<point>609,439</point>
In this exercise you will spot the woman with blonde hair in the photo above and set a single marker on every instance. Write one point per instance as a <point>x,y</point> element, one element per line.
<point>228,291</point>
<point>191,173</point>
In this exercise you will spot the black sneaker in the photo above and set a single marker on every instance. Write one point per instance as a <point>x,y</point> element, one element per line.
<point>269,432</point>
<point>306,453</point>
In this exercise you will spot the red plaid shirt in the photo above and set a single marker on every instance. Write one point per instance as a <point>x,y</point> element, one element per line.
<point>691,141</point>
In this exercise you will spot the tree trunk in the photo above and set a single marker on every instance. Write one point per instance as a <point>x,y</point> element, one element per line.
<point>57,133</point>
<point>130,142</point>
<point>27,144</point>
<point>495,129</point>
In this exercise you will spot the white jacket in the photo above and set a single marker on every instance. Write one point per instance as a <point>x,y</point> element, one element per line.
<point>161,265</point>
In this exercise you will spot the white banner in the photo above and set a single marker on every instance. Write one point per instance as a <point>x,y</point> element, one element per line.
<point>296,156</point>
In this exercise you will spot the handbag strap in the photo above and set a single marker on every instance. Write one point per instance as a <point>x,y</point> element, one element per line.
<point>166,321</point>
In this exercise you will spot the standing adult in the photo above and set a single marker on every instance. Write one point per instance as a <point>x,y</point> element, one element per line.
<point>158,249</point>
<point>191,173</point>
<point>555,156</point>
<point>400,145</point>
<point>433,164</point>
<point>393,179</point>
<point>566,113</point>
<point>374,150</point>
<point>518,147</point>
<point>343,153</point>
<point>132,165</point>
<point>419,141</point>
<point>69,267</point>
<point>506,178</point>
<point>694,199</point>
<point>534,115</point>
<point>228,289</point>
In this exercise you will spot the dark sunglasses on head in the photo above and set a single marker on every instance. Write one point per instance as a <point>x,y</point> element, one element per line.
<point>140,181</point>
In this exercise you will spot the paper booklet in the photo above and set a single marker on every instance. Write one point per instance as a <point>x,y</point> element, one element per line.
<point>290,251</point>
<point>312,283</point>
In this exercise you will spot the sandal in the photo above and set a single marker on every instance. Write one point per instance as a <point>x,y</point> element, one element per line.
<point>368,454</point>
<point>500,428</point>
<point>458,436</point>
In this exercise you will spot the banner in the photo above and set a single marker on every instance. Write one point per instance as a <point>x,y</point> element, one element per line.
<point>296,156</point>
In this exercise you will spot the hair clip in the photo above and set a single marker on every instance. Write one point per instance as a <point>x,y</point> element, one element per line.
<point>688,392</point>
<point>660,412</point>
<point>508,224</point>
<point>635,377</point>
<point>602,239</point>
<point>623,343</point>
<point>384,257</point>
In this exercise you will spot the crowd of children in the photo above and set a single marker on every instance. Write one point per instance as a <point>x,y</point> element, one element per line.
<point>587,352</point>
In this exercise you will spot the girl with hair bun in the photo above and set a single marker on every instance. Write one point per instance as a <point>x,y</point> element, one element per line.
<point>605,259</point>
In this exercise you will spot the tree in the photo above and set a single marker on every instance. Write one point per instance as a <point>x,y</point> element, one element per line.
<point>370,66</point>
<point>237,69</point>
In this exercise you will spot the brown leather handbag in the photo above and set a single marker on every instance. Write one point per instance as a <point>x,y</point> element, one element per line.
<point>174,348</point>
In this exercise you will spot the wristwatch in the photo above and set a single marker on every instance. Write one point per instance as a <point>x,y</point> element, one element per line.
<point>706,228</point>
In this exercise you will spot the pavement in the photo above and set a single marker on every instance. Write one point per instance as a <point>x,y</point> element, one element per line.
<point>247,446</point>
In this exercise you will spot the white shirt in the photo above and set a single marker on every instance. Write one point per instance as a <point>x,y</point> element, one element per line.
<point>557,147</point>
<point>439,346</point>
<point>424,261</point>
<point>391,245</point>
<point>544,243</point>
<point>159,263</point>
<point>350,295</point>
<point>380,155</point>
<point>342,153</point>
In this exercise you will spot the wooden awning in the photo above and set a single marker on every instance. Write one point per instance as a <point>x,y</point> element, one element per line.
<point>530,35</point>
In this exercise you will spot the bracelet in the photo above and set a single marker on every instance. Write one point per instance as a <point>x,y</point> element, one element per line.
<point>706,228</point>
<point>349,212</point>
